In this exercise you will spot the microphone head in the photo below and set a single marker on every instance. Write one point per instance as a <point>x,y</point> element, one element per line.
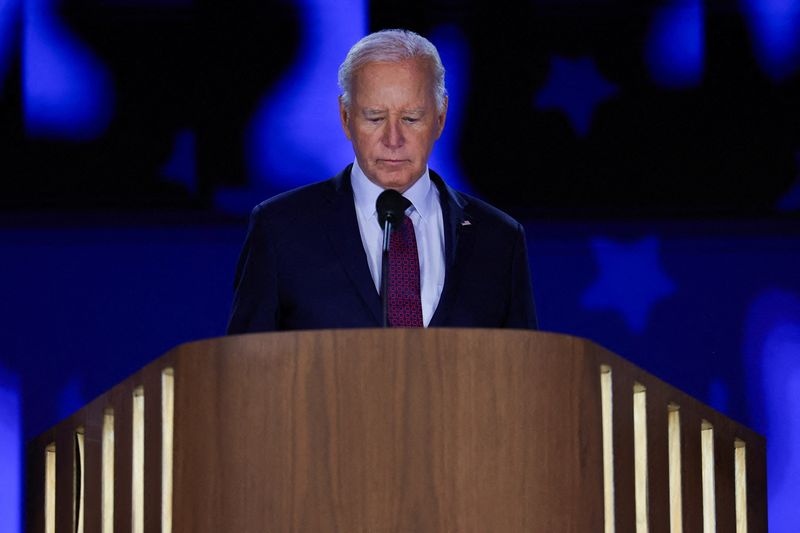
<point>391,206</point>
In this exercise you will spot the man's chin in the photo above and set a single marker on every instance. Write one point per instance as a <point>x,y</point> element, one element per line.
<point>400,185</point>
<point>399,181</point>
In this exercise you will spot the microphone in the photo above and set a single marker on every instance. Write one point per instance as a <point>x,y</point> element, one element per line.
<point>391,207</point>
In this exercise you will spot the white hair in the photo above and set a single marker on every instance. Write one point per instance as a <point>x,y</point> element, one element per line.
<point>392,46</point>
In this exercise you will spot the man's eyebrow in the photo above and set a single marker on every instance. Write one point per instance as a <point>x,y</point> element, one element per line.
<point>374,112</point>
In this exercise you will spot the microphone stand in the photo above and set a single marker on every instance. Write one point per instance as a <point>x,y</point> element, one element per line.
<point>387,230</point>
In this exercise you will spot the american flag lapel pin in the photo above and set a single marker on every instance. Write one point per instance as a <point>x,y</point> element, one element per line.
<point>466,223</point>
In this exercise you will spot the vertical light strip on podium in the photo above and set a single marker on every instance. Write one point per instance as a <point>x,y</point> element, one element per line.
<point>607,401</point>
<point>675,466</point>
<point>640,456</point>
<point>107,474</point>
<point>50,488</point>
<point>740,485</point>
<point>167,439</point>
<point>78,478</point>
<point>709,492</point>
<point>137,467</point>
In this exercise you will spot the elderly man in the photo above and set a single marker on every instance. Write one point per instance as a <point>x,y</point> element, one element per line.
<point>313,256</point>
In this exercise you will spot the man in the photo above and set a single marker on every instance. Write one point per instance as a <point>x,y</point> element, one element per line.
<point>312,258</point>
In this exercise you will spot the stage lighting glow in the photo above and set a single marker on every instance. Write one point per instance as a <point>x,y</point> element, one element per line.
<point>674,50</point>
<point>10,454</point>
<point>775,27</point>
<point>772,359</point>
<point>67,92</point>
<point>454,51</point>
<point>780,372</point>
<point>9,22</point>
<point>295,136</point>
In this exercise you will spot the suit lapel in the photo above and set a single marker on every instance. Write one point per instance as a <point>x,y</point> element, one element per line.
<point>341,225</point>
<point>458,239</point>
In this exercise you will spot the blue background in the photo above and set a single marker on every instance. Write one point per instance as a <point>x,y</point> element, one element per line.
<point>652,152</point>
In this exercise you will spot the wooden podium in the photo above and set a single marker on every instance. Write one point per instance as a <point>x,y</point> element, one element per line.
<point>484,431</point>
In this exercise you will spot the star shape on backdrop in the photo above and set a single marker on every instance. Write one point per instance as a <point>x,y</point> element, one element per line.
<point>576,88</point>
<point>630,280</point>
<point>790,201</point>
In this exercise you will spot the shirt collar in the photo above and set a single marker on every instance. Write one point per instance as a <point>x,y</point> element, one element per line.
<point>365,193</point>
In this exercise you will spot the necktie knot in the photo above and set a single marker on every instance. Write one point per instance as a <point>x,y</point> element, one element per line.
<point>391,207</point>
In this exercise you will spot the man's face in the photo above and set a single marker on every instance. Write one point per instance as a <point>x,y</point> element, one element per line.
<point>393,121</point>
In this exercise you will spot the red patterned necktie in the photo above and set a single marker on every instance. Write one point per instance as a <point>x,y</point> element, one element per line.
<point>405,306</point>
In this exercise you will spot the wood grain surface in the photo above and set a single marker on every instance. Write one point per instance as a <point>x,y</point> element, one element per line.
<point>394,431</point>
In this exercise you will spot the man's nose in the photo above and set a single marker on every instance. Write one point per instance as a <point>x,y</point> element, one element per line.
<point>393,134</point>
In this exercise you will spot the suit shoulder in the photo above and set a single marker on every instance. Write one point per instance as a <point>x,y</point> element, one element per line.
<point>295,203</point>
<point>479,210</point>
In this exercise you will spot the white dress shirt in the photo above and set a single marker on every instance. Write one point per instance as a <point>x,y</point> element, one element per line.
<point>426,215</point>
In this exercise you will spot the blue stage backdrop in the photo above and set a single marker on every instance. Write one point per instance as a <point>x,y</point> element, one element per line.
<point>712,307</point>
<point>651,149</point>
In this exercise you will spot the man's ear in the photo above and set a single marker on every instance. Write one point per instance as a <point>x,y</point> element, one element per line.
<point>441,118</point>
<point>344,116</point>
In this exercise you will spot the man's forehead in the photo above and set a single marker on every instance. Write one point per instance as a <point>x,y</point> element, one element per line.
<point>373,110</point>
<point>371,90</point>
<point>418,64</point>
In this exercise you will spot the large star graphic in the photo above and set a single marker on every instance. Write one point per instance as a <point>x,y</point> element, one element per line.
<point>630,280</point>
<point>576,88</point>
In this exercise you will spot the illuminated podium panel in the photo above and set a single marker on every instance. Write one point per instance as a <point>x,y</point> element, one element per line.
<point>395,430</point>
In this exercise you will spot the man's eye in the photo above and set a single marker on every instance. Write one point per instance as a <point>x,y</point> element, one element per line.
<point>411,120</point>
<point>375,119</point>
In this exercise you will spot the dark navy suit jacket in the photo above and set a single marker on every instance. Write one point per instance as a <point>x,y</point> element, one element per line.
<point>303,265</point>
